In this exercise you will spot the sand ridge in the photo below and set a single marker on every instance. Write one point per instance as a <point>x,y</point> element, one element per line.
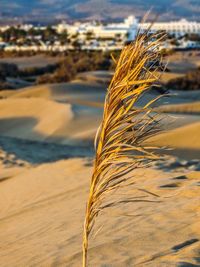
<point>183,137</point>
<point>71,112</point>
<point>32,118</point>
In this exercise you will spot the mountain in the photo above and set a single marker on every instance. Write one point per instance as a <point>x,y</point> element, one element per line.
<point>49,10</point>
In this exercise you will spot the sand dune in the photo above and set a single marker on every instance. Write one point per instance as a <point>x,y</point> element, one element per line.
<point>32,118</point>
<point>47,120</point>
<point>43,195</point>
<point>42,213</point>
<point>89,91</point>
<point>73,91</point>
<point>62,113</point>
<point>71,112</point>
<point>183,137</point>
<point>183,142</point>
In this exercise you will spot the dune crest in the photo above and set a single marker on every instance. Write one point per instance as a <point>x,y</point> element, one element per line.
<point>34,118</point>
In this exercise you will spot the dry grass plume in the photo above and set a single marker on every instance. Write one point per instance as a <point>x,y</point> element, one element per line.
<point>124,128</point>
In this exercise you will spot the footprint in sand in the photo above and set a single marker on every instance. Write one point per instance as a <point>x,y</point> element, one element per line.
<point>185,244</point>
<point>170,185</point>
<point>179,179</point>
<point>182,246</point>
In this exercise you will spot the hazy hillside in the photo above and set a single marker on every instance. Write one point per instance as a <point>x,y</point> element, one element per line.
<point>99,9</point>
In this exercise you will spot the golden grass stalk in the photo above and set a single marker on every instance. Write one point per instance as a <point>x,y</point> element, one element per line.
<point>124,128</point>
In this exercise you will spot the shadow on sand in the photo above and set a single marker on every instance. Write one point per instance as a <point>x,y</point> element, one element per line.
<point>36,152</point>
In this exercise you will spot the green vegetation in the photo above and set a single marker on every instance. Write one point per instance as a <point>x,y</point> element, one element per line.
<point>7,69</point>
<point>72,63</point>
<point>193,37</point>
<point>76,62</point>
<point>15,35</point>
<point>36,71</point>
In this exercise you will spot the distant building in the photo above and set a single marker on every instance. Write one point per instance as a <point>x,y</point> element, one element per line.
<point>4,28</point>
<point>126,29</point>
<point>98,36</point>
<point>177,28</point>
<point>25,27</point>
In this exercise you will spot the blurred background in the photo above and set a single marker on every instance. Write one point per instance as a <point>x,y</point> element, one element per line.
<point>55,68</point>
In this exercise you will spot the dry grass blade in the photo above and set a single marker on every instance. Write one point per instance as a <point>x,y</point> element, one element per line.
<point>124,128</point>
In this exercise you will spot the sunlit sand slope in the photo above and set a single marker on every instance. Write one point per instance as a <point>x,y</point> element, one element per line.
<point>42,211</point>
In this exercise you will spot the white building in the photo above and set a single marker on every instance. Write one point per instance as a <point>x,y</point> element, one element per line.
<point>4,28</point>
<point>96,36</point>
<point>126,29</point>
<point>177,28</point>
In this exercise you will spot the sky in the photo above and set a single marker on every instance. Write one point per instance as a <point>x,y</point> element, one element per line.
<point>99,9</point>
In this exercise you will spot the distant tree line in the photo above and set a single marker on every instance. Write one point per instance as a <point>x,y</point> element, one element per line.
<point>65,70</point>
<point>76,62</point>
<point>17,35</point>
<point>7,70</point>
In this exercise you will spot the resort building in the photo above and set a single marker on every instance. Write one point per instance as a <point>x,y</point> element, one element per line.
<point>177,28</point>
<point>99,36</point>
<point>124,30</point>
